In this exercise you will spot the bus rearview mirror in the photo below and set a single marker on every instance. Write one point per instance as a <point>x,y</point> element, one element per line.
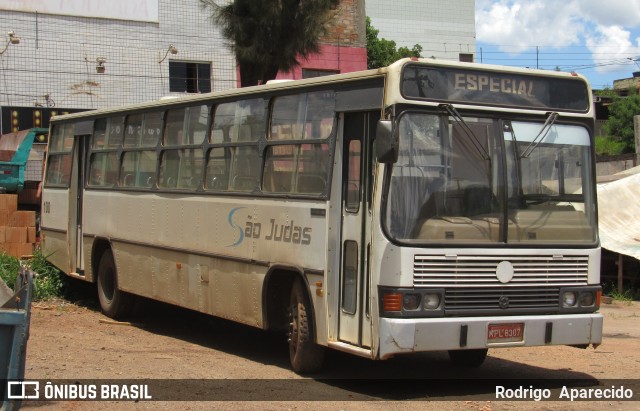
<point>386,142</point>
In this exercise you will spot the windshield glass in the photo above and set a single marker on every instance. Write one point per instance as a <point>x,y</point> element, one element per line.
<point>550,197</point>
<point>465,180</point>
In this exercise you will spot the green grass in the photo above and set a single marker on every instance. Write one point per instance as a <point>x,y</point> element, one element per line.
<point>9,267</point>
<point>626,295</point>
<point>49,282</point>
<point>611,290</point>
<point>606,146</point>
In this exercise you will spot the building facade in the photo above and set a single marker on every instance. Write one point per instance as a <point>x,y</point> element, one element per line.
<point>444,29</point>
<point>64,56</point>
<point>623,86</point>
<point>343,48</point>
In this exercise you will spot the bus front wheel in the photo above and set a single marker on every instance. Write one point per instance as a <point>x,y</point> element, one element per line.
<point>468,358</point>
<point>305,355</point>
<point>114,302</point>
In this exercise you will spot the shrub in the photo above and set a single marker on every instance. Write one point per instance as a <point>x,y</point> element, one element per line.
<point>611,289</point>
<point>48,282</point>
<point>9,267</point>
<point>606,146</point>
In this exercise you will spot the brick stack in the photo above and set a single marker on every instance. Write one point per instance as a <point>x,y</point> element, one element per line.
<point>17,228</point>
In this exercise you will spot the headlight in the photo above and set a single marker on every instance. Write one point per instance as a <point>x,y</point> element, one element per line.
<point>411,302</point>
<point>431,301</point>
<point>580,299</point>
<point>587,299</point>
<point>569,298</point>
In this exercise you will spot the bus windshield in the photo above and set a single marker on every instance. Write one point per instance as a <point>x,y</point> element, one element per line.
<point>472,179</point>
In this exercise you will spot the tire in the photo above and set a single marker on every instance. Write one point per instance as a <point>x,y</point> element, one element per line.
<point>305,355</point>
<point>114,302</point>
<point>468,358</point>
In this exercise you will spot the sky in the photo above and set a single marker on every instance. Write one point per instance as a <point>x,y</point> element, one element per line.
<point>597,38</point>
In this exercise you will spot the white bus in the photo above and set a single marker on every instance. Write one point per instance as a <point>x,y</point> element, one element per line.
<point>423,206</point>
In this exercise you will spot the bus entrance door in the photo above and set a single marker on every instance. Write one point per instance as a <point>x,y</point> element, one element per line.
<point>355,316</point>
<point>76,194</point>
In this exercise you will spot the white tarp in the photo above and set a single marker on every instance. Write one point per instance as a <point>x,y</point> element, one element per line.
<point>619,214</point>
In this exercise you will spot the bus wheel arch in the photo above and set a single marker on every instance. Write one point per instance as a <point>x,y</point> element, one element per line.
<point>289,308</point>
<point>275,296</point>
<point>114,302</point>
<point>305,354</point>
<point>100,245</point>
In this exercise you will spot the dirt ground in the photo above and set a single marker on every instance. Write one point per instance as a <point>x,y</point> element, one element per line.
<point>250,370</point>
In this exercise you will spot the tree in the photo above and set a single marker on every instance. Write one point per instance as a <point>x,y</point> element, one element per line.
<point>269,36</point>
<point>619,126</point>
<point>382,52</point>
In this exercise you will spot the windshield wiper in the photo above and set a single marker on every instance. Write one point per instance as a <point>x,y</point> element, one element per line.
<point>546,127</point>
<point>467,130</point>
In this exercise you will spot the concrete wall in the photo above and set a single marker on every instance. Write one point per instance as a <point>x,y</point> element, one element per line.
<point>53,68</point>
<point>444,29</point>
<point>57,56</point>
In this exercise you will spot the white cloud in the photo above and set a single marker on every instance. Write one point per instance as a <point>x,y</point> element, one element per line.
<point>605,28</point>
<point>623,13</point>
<point>516,25</point>
<point>610,45</point>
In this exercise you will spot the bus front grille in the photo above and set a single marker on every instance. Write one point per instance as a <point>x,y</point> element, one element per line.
<point>472,286</point>
<point>465,271</point>
<point>500,300</point>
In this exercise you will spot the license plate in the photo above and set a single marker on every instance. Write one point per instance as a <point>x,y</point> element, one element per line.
<point>500,333</point>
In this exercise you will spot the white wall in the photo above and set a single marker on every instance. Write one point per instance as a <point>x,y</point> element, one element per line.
<point>57,56</point>
<point>444,29</point>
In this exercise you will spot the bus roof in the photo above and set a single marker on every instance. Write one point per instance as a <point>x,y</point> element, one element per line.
<point>393,70</point>
<point>192,98</point>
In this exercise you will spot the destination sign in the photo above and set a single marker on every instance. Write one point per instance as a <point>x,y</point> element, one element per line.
<point>467,86</point>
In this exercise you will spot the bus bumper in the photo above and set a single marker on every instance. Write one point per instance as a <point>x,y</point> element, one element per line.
<point>398,336</point>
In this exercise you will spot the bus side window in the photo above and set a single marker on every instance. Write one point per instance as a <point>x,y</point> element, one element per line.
<point>190,172</point>
<point>169,167</point>
<point>138,169</point>
<point>173,131</point>
<point>59,158</point>
<point>133,130</point>
<point>245,168</point>
<point>312,171</point>
<point>103,169</point>
<point>279,165</point>
<point>152,128</point>
<point>217,172</point>
<point>238,121</point>
<point>197,120</point>
<point>181,168</point>
<point>311,184</point>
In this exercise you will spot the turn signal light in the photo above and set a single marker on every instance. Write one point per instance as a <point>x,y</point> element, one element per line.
<point>392,302</point>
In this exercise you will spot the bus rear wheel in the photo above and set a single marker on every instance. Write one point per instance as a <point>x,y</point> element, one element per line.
<point>114,302</point>
<point>468,358</point>
<point>305,355</point>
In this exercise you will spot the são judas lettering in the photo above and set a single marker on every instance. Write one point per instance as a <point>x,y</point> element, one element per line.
<point>286,233</point>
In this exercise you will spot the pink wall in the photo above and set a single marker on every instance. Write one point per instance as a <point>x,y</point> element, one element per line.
<point>334,58</point>
<point>338,59</point>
